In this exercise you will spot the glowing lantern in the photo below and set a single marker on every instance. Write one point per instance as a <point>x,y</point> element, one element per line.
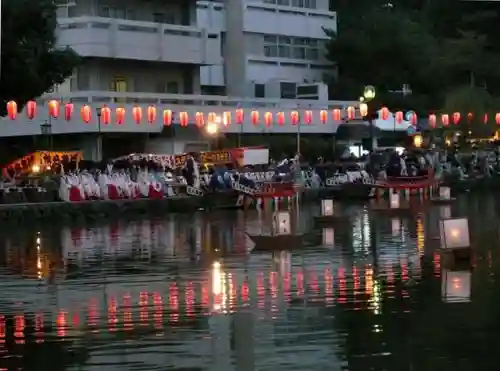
<point>280,116</point>
<point>432,120</point>
<point>120,115</point>
<point>363,109</point>
<point>255,117</point>
<point>183,119</point>
<point>54,109</point>
<point>456,118</point>
<point>308,117</point>
<point>294,115</point>
<point>12,110</point>
<point>445,119</point>
<point>470,116</point>
<point>485,118</point>
<point>167,117</point>
<point>151,114</point>
<point>212,118</point>
<point>413,119</point>
<point>68,111</point>
<point>240,116</point>
<point>323,116</point>
<point>384,113</point>
<point>398,116</point>
<point>137,114</point>
<point>351,113</point>
<point>497,118</point>
<point>86,113</point>
<point>200,119</point>
<point>226,118</point>
<point>418,141</point>
<point>31,109</point>
<point>106,115</point>
<point>268,119</point>
<point>337,114</point>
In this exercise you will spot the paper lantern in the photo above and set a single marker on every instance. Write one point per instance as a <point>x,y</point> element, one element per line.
<point>497,118</point>
<point>445,119</point>
<point>280,117</point>
<point>295,117</point>
<point>470,116</point>
<point>183,119</point>
<point>226,118</point>
<point>31,109</point>
<point>282,223</point>
<point>384,113</point>
<point>12,110</point>
<point>200,119</point>
<point>337,114</point>
<point>456,286</point>
<point>106,115</point>
<point>151,114</point>
<point>363,109</point>
<point>137,114</point>
<point>308,117</point>
<point>398,117</point>
<point>255,117</point>
<point>351,113</point>
<point>432,120</point>
<point>213,118</point>
<point>485,118</point>
<point>445,193</point>
<point>240,116</point>
<point>328,237</point>
<point>323,116</point>
<point>120,115</point>
<point>454,233</point>
<point>54,108</point>
<point>327,207</point>
<point>393,200</point>
<point>86,113</point>
<point>456,118</point>
<point>268,119</point>
<point>68,111</point>
<point>167,117</point>
<point>413,119</point>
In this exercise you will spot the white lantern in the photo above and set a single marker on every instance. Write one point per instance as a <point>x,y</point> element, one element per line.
<point>456,286</point>
<point>282,223</point>
<point>328,237</point>
<point>444,193</point>
<point>455,233</point>
<point>327,208</point>
<point>394,200</point>
<point>396,227</point>
<point>445,212</point>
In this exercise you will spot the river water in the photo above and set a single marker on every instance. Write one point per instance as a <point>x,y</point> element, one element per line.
<point>186,293</point>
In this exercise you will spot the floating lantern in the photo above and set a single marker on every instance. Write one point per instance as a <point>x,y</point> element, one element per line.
<point>137,114</point>
<point>323,117</point>
<point>393,200</point>
<point>497,118</point>
<point>444,193</point>
<point>240,116</point>
<point>351,113</point>
<point>456,118</point>
<point>167,117</point>
<point>432,120</point>
<point>337,114</point>
<point>120,115</point>
<point>106,115</point>
<point>470,116</point>
<point>445,119</point>
<point>226,118</point>
<point>327,207</point>
<point>200,119</point>
<point>456,286</point>
<point>328,237</point>
<point>280,116</point>
<point>398,117</point>
<point>12,110</point>
<point>54,108</point>
<point>183,119</point>
<point>268,119</point>
<point>31,109</point>
<point>445,212</point>
<point>255,117</point>
<point>86,113</point>
<point>384,113</point>
<point>295,117</point>
<point>282,223</point>
<point>455,233</point>
<point>363,109</point>
<point>308,117</point>
<point>151,114</point>
<point>68,111</point>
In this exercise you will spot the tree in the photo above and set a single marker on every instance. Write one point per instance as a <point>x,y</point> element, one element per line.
<point>31,62</point>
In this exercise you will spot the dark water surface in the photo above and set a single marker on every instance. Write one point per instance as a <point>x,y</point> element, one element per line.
<point>184,293</point>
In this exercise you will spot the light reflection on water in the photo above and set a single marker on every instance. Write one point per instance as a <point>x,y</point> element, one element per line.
<point>185,293</point>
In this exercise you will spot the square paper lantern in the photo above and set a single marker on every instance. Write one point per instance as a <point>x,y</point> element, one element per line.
<point>444,193</point>
<point>394,200</point>
<point>282,223</point>
<point>445,212</point>
<point>456,286</point>
<point>328,237</point>
<point>455,233</point>
<point>327,208</point>
<point>396,227</point>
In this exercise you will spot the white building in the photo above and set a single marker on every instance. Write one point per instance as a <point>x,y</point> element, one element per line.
<point>188,56</point>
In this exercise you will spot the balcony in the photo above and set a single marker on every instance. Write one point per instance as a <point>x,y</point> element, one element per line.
<point>190,104</point>
<point>147,41</point>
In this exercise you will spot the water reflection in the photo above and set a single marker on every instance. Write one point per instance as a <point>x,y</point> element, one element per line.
<point>186,293</point>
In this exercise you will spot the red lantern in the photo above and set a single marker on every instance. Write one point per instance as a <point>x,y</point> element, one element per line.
<point>86,113</point>
<point>337,114</point>
<point>167,117</point>
<point>151,114</point>
<point>268,119</point>
<point>226,118</point>
<point>212,118</point>
<point>255,117</point>
<point>106,115</point>
<point>137,114</point>
<point>31,109</point>
<point>308,117</point>
<point>445,119</point>
<point>12,110</point>
<point>398,117</point>
<point>280,116</point>
<point>120,115</point>
<point>323,116</point>
<point>413,119</point>
<point>456,118</point>
<point>294,115</point>
<point>470,116</point>
<point>363,109</point>
<point>384,113</point>
<point>497,118</point>
<point>432,120</point>
<point>240,116</point>
<point>183,119</point>
<point>200,119</point>
<point>54,108</point>
<point>351,113</point>
<point>485,118</point>
<point>68,111</point>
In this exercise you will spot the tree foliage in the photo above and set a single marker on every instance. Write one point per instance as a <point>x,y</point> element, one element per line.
<point>31,62</point>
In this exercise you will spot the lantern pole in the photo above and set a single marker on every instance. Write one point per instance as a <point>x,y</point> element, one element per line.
<point>99,137</point>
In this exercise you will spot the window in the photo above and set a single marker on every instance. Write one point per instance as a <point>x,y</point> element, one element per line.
<point>312,54</point>
<point>269,1</point>
<point>159,18</point>
<point>284,2</point>
<point>271,51</point>
<point>311,4</point>
<point>284,51</point>
<point>298,3</point>
<point>105,11</point>
<point>260,90</point>
<point>119,85</point>
<point>288,90</point>
<point>299,52</point>
<point>173,87</point>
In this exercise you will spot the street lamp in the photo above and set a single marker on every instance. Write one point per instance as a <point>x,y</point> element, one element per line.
<point>369,94</point>
<point>99,137</point>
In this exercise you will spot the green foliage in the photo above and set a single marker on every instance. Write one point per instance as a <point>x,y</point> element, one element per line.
<point>31,63</point>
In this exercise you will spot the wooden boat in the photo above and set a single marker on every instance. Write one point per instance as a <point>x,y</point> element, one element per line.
<point>277,242</point>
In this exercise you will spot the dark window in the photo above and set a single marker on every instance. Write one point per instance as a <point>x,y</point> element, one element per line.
<point>260,90</point>
<point>288,90</point>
